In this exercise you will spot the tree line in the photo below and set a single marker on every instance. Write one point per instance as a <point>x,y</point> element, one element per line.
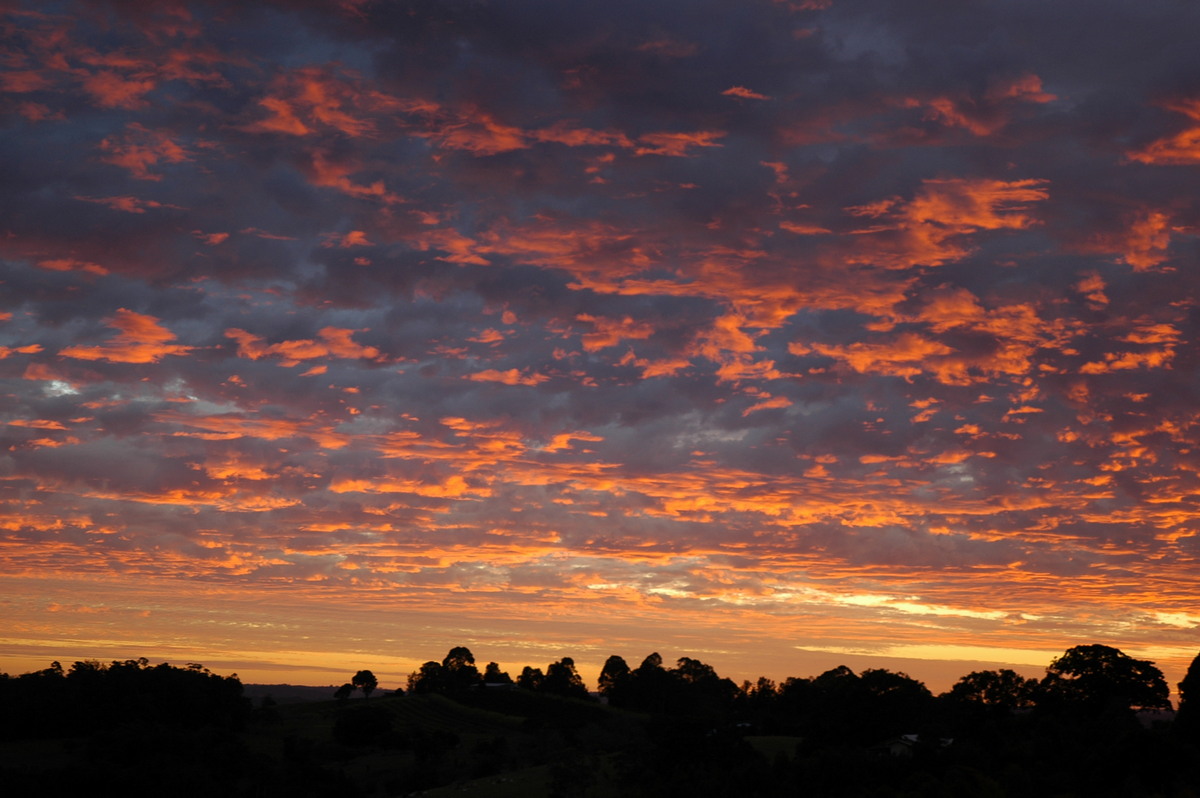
<point>1086,678</point>
<point>654,729</point>
<point>1086,681</point>
<point>1097,723</point>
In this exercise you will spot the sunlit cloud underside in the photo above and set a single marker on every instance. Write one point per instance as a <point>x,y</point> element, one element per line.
<point>336,333</point>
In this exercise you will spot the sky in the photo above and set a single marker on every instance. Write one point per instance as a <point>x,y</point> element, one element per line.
<point>780,335</point>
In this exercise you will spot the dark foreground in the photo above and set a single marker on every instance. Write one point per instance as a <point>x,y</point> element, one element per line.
<point>135,729</point>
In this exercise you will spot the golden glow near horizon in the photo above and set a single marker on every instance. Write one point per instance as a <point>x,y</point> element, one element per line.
<point>337,335</point>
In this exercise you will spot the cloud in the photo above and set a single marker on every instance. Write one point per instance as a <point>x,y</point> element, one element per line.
<point>676,144</point>
<point>744,93</point>
<point>1180,148</point>
<point>139,150</point>
<point>507,377</point>
<point>140,339</point>
<point>330,342</point>
<point>837,323</point>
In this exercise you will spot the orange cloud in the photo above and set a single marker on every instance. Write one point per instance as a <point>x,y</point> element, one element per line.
<point>329,173</point>
<point>313,98</point>
<point>1127,361</point>
<point>334,342</point>
<point>767,402</point>
<point>903,356</point>
<point>1017,333</point>
<point>725,335</point>
<point>982,204</point>
<point>355,238</point>
<point>986,114</point>
<point>230,426</point>
<point>666,367</point>
<point>282,118</point>
<point>563,132</point>
<point>509,377</point>
<point>126,203</point>
<point>112,90</point>
<point>1092,287</point>
<point>562,441</point>
<point>1182,148</point>
<point>141,149</point>
<point>37,423</point>
<point>141,340</point>
<point>676,144</point>
<point>212,239</point>
<point>1146,243</point>
<point>458,247</point>
<point>1153,334</point>
<point>1027,87</point>
<point>488,336</point>
<point>926,230</point>
<point>23,81</point>
<point>744,93</point>
<point>803,229</point>
<point>70,264</point>
<point>610,332</point>
<point>1142,239</point>
<point>30,349</point>
<point>477,132</point>
<point>234,468</point>
<point>452,487</point>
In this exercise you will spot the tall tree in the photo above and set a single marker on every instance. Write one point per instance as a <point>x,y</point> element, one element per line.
<point>365,680</point>
<point>493,675</point>
<point>458,669</point>
<point>562,679</point>
<point>427,679</point>
<point>650,686</point>
<point>614,679</point>
<point>530,678</point>
<point>1187,721</point>
<point>699,691</point>
<point>1100,677</point>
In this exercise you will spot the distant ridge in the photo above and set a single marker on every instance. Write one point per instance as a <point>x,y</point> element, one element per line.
<point>288,693</point>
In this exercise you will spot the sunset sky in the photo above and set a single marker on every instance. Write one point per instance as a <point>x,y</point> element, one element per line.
<point>774,334</point>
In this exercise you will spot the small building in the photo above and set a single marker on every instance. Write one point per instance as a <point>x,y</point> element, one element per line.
<point>906,745</point>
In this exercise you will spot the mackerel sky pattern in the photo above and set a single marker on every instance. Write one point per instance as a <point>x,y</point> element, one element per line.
<point>776,334</point>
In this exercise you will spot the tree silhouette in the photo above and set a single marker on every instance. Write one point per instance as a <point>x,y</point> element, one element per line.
<point>650,686</point>
<point>92,696</point>
<point>1080,738</point>
<point>699,691</point>
<point>1097,677</point>
<point>1004,689</point>
<point>427,679</point>
<point>1187,721</point>
<point>614,679</point>
<point>530,678</point>
<point>454,674</point>
<point>365,680</point>
<point>896,703</point>
<point>459,671</point>
<point>493,675</point>
<point>562,679</point>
